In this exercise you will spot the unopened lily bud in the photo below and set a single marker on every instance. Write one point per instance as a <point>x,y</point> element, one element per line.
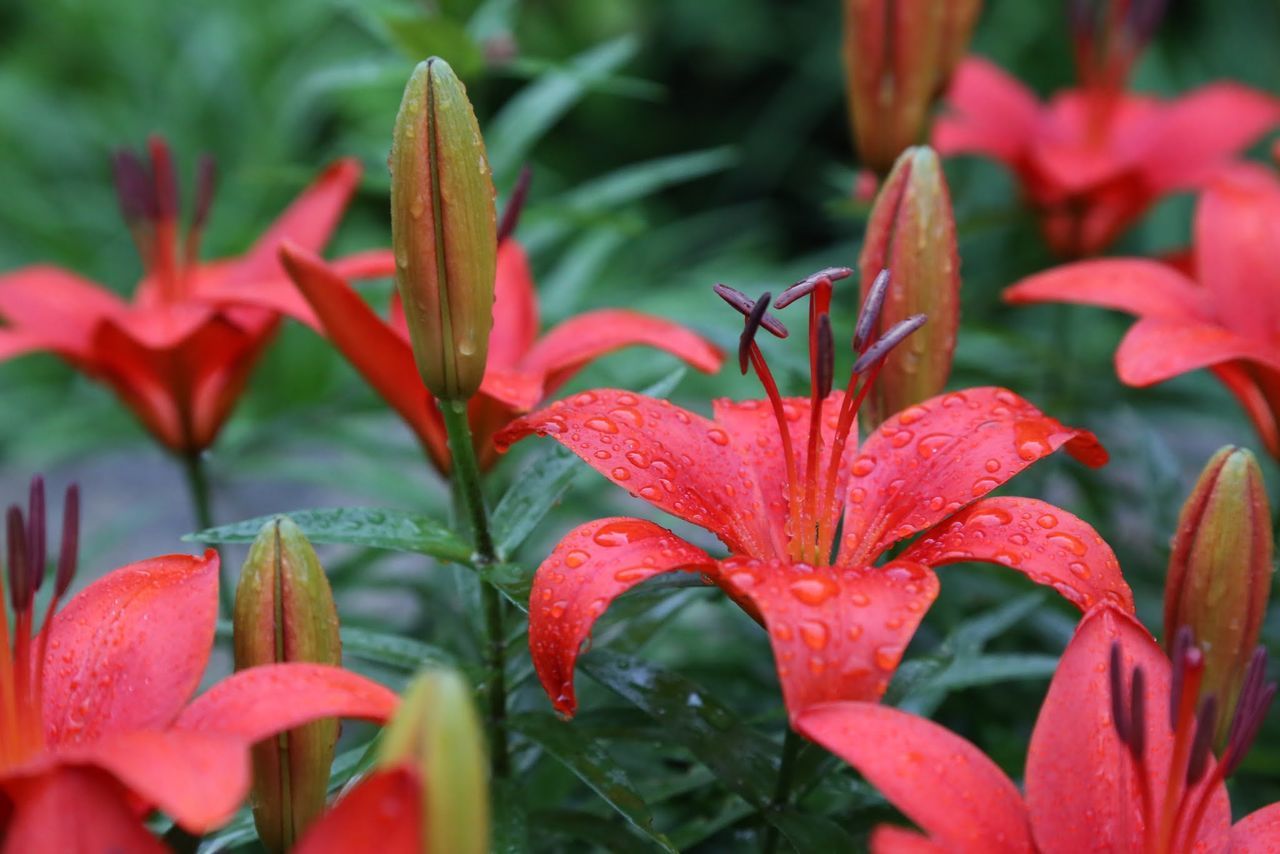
<point>912,234</point>
<point>1220,572</point>
<point>284,612</point>
<point>437,732</point>
<point>443,230</point>
<point>898,55</point>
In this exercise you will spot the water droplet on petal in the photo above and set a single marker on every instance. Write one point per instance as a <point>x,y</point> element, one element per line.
<point>576,558</point>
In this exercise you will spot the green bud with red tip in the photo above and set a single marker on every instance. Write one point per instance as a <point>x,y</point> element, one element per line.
<point>912,234</point>
<point>437,732</point>
<point>898,56</point>
<point>1220,572</point>
<point>284,612</point>
<point>444,230</point>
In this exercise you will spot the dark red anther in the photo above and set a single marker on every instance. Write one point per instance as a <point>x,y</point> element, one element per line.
<point>871,308</point>
<point>809,284</point>
<point>206,183</point>
<point>20,592</point>
<point>37,541</point>
<point>70,540</point>
<point>1138,713</point>
<point>1182,641</point>
<point>746,305</point>
<point>133,187</point>
<point>164,183</point>
<point>895,336</point>
<point>1251,710</point>
<point>515,204</point>
<point>826,357</point>
<point>1119,715</point>
<point>750,328</point>
<point>1206,721</point>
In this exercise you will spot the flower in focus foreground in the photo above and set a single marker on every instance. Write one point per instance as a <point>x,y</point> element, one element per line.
<point>773,481</point>
<point>1119,760</point>
<point>173,355</point>
<point>94,715</point>
<point>1096,158</point>
<point>1222,314</point>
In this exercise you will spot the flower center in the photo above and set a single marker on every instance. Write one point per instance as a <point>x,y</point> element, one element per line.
<point>149,201</point>
<point>812,511</point>
<point>1107,38</point>
<point>1172,818</point>
<point>22,653</point>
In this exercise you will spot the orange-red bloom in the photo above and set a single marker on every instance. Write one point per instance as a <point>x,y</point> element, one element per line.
<point>522,370</point>
<point>1094,159</point>
<point>772,480</point>
<point>172,355</point>
<point>95,725</point>
<point>1116,762</point>
<point>1222,314</point>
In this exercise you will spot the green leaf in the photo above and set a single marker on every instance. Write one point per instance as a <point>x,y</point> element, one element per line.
<point>393,650</point>
<point>362,526</point>
<point>510,823</point>
<point>590,763</point>
<point>631,183</point>
<point>743,760</point>
<point>535,491</point>
<point>993,668</point>
<point>603,834</point>
<point>809,832</point>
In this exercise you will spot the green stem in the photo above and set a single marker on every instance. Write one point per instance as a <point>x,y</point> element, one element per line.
<point>198,485</point>
<point>466,477</point>
<point>782,791</point>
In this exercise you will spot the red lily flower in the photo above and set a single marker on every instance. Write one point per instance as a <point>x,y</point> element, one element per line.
<point>522,370</point>
<point>386,805</point>
<point>775,494</point>
<point>94,719</point>
<point>1221,314</point>
<point>1096,158</point>
<point>173,355</point>
<point>1111,766</point>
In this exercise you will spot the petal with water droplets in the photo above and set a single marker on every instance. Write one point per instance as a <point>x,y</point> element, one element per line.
<point>937,779</point>
<point>593,565</point>
<point>1047,544</point>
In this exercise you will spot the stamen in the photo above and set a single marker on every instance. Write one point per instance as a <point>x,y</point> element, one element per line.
<point>133,187</point>
<point>164,184</point>
<point>37,544</point>
<point>19,578</point>
<point>747,339</point>
<point>1138,714</point>
<point>869,316</point>
<point>826,357</point>
<point>515,204</point>
<point>1182,640</point>
<point>877,352</point>
<point>1251,709</point>
<point>745,304</point>
<point>809,284</point>
<point>1206,720</point>
<point>1119,715</point>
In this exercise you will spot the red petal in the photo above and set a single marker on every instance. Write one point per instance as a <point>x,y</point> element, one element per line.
<point>57,307</point>
<point>164,326</point>
<point>307,223</point>
<point>989,113</point>
<point>1155,349</point>
<point>836,634</point>
<point>1240,382</point>
<point>517,390</point>
<point>1133,285</point>
<point>1043,542</point>
<point>262,701</point>
<point>1079,786</point>
<point>386,806</point>
<point>197,779</point>
<point>564,350</point>
<point>678,461</point>
<point>1258,832</point>
<point>515,308</point>
<point>593,565</point>
<point>369,264</point>
<point>1204,129</point>
<point>1237,248</point>
<point>76,811</point>
<point>128,651</point>
<point>932,459</point>
<point>379,353</point>
<point>887,839</point>
<point>937,779</point>
<point>753,432</point>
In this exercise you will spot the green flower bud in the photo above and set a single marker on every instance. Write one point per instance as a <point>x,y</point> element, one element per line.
<point>1220,572</point>
<point>443,230</point>
<point>437,732</point>
<point>912,234</point>
<point>284,612</point>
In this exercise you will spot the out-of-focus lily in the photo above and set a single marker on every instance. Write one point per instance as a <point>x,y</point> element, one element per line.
<point>173,355</point>
<point>1119,760</point>
<point>1095,158</point>
<point>94,715</point>
<point>774,479</point>
<point>1222,314</point>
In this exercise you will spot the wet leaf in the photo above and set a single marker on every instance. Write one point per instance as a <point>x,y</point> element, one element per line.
<point>535,491</point>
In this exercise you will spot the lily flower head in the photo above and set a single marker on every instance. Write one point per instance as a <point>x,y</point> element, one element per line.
<point>1221,312</point>
<point>523,367</point>
<point>94,712</point>
<point>174,355</point>
<point>1095,158</point>
<point>1119,759</point>
<point>776,479</point>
